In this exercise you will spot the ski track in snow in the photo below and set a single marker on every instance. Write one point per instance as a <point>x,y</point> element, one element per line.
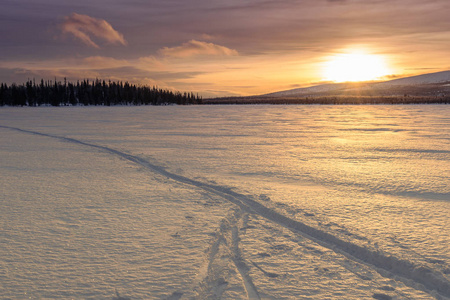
<point>413,275</point>
<point>228,237</point>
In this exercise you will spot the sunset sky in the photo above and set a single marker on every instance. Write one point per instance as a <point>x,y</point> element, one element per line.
<point>219,48</point>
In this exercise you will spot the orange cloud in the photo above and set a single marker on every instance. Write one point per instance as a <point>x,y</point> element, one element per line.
<point>197,48</point>
<point>84,27</point>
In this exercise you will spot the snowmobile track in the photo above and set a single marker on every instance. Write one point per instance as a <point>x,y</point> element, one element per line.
<point>416,276</point>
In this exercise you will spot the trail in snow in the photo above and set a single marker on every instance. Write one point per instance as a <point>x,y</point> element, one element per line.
<point>416,276</point>
<point>224,254</point>
<point>240,264</point>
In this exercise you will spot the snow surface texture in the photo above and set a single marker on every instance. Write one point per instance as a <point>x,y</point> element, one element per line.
<point>225,202</point>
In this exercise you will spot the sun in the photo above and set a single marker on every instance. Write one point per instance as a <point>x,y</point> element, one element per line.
<point>355,66</point>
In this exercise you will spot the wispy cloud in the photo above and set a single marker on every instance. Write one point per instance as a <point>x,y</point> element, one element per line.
<point>197,48</point>
<point>84,28</point>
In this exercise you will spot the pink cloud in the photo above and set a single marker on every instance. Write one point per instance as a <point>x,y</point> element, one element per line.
<point>197,48</point>
<point>85,27</point>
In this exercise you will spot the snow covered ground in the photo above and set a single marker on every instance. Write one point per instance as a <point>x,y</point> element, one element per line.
<point>225,202</point>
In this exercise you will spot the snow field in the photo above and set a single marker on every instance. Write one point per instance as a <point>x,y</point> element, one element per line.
<point>85,226</point>
<point>263,203</point>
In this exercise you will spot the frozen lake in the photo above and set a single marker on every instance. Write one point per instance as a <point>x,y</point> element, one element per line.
<point>225,202</point>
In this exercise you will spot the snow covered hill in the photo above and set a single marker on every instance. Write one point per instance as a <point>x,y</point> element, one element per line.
<point>439,79</point>
<point>323,88</point>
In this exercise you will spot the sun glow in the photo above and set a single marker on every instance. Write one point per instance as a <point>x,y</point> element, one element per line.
<point>355,66</point>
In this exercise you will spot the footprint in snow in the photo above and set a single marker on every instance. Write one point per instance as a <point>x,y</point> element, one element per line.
<point>381,296</point>
<point>264,254</point>
<point>118,297</point>
<point>175,296</point>
<point>268,274</point>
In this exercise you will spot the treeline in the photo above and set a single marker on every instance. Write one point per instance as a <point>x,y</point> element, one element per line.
<point>332,100</point>
<point>97,92</point>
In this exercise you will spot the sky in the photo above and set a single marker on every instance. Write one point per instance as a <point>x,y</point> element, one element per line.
<point>217,48</point>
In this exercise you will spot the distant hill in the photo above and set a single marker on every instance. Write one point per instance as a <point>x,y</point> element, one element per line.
<point>426,88</point>
<point>439,77</point>
<point>422,85</point>
<point>323,88</point>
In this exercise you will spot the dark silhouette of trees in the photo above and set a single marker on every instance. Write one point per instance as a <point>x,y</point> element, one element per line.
<point>97,92</point>
<point>331,100</point>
